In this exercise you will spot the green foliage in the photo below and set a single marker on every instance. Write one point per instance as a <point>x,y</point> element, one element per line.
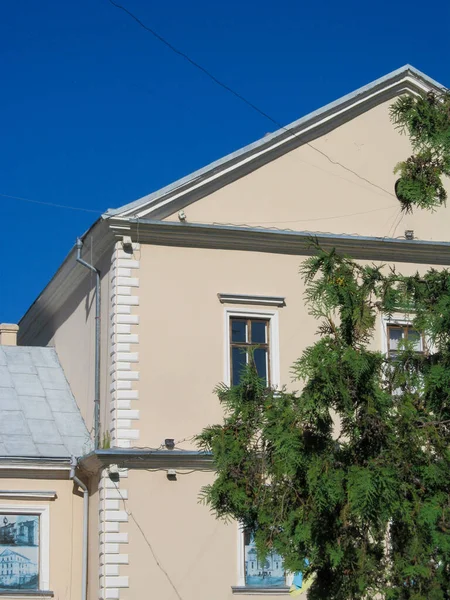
<point>426,119</point>
<point>352,472</point>
<point>106,441</point>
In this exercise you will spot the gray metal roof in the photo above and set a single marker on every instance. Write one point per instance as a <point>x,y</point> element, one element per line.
<point>38,413</point>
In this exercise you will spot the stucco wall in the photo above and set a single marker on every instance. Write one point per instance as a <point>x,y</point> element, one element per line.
<point>182,329</point>
<point>72,332</point>
<point>304,190</point>
<point>66,518</point>
<point>197,554</point>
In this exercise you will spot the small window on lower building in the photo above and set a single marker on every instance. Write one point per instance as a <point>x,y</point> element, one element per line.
<point>268,572</point>
<point>396,334</point>
<point>246,333</point>
<point>19,551</point>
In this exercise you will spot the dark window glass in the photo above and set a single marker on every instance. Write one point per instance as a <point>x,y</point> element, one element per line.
<point>238,330</point>
<point>259,332</point>
<point>260,357</point>
<point>246,334</point>
<point>239,359</point>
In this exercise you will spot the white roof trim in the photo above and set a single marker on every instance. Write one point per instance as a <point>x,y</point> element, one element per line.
<point>167,200</point>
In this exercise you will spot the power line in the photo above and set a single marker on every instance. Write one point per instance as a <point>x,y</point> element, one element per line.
<point>52,204</point>
<point>229,89</point>
<point>147,541</point>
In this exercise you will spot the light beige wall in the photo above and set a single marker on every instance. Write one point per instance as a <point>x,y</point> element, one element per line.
<point>93,537</point>
<point>66,518</point>
<point>181,359</point>
<point>197,552</point>
<point>303,190</point>
<point>181,330</point>
<point>72,332</point>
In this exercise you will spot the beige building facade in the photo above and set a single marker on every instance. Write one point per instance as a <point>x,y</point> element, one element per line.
<point>178,270</point>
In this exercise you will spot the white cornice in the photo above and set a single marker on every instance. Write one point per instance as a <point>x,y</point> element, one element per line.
<point>199,184</point>
<point>254,239</point>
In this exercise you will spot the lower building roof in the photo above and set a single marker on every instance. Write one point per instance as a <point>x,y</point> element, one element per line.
<point>38,413</point>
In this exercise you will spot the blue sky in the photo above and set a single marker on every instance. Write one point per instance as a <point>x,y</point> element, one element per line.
<point>94,112</point>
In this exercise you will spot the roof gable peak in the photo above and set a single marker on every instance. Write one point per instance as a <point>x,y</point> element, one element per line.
<point>200,183</point>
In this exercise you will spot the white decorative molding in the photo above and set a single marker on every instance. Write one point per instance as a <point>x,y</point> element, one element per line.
<point>112,517</point>
<point>250,299</point>
<point>124,341</point>
<point>27,494</point>
<point>124,417</point>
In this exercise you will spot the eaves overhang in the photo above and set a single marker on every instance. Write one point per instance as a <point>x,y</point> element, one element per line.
<point>137,458</point>
<point>255,239</point>
<point>64,282</point>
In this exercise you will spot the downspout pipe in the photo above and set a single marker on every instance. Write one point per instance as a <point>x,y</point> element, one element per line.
<point>80,484</point>
<point>97,343</point>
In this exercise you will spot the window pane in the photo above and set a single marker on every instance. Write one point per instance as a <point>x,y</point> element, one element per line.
<point>395,336</point>
<point>415,337</point>
<point>259,335</point>
<point>260,357</point>
<point>268,572</point>
<point>19,552</point>
<point>238,361</point>
<point>238,330</point>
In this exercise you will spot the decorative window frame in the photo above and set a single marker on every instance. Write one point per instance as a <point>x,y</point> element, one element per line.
<point>44,540</point>
<point>241,572</point>
<point>274,345</point>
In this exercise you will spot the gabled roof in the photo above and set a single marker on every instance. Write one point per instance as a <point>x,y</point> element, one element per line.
<point>183,192</point>
<point>38,413</point>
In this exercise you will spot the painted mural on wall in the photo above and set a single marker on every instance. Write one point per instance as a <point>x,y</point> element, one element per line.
<point>19,551</point>
<point>268,572</point>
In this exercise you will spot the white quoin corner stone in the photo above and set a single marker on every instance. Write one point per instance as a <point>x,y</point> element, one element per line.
<point>124,416</point>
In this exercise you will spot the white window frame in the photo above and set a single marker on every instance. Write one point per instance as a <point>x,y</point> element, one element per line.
<point>44,537</point>
<point>274,342</point>
<point>274,350</point>
<point>241,565</point>
<point>401,322</point>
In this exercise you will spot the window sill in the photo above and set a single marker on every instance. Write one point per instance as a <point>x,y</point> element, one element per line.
<point>16,594</point>
<point>260,591</point>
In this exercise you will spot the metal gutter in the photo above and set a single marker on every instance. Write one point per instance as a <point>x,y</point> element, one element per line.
<point>258,239</point>
<point>136,458</point>
<point>96,271</point>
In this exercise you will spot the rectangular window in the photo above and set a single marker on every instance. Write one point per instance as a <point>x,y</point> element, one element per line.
<point>246,333</point>
<point>19,551</point>
<point>268,572</point>
<point>396,333</point>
